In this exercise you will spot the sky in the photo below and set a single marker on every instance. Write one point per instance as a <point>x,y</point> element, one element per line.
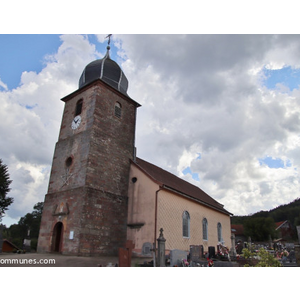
<point>220,111</point>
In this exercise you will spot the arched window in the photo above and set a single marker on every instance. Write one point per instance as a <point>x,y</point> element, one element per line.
<point>78,107</point>
<point>219,232</point>
<point>186,224</point>
<point>118,110</point>
<point>204,229</point>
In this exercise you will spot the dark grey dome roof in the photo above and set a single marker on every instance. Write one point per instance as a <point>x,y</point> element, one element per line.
<point>108,71</point>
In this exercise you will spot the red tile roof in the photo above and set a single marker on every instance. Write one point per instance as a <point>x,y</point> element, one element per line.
<point>279,224</point>
<point>237,229</point>
<point>169,181</point>
<point>10,244</point>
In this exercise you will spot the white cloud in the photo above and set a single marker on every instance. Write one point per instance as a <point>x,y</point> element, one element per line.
<point>200,94</point>
<point>3,85</point>
<point>217,107</point>
<point>32,114</point>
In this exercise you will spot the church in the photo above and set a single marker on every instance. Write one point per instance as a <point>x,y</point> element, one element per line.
<point>100,194</point>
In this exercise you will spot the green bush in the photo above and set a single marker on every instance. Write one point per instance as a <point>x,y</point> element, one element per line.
<point>260,259</point>
<point>267,259</point>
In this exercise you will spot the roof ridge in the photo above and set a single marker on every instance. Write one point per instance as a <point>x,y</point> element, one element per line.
<point>170,180</point>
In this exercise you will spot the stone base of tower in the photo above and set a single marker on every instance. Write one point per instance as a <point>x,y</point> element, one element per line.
<point>83,221</point>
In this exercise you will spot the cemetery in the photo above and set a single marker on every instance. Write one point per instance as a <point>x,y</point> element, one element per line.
<point>240,254</point>
<point>245,254</point>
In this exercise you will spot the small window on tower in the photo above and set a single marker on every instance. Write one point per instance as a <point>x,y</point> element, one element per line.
<point>118,110</point>
<point>78,107</point>
<point>69,161</point>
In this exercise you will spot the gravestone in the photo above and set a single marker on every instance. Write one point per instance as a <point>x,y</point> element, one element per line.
<point>123,257</point>
<point>289,246</point>
<point>291,256</point>
<point>1,238</point>
<point>176,257</point>
<point>297,254</point>
<point>298,231</point>
<point>147,248</point>
<point>270,242</point>
<point>201,251</point>
<point>249,243</point>
<point>211,252</point>
<point>195,253</point>
<point>239,248</point>
<point>125,254</point>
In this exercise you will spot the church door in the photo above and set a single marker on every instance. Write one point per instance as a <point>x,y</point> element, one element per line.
<point>57,237</point>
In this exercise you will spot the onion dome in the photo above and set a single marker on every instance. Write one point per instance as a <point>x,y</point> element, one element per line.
<point>108,71</point>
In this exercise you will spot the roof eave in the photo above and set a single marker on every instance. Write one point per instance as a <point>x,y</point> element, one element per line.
<point>66,98</point>
<point>146,173</point>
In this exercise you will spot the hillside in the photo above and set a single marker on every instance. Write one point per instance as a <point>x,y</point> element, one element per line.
<point>284,212</point>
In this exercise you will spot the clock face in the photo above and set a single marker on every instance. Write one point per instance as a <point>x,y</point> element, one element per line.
<point>76,122</point>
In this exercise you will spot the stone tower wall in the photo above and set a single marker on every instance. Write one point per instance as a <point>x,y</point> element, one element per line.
<point>89,197</point>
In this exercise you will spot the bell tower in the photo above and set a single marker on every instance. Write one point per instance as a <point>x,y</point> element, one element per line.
<point>85,208</point>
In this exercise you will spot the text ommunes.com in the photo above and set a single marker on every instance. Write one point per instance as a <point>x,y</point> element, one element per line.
<point>26,261</point>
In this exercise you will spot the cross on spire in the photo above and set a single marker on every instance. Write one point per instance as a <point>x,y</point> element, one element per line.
<point>108,36</point>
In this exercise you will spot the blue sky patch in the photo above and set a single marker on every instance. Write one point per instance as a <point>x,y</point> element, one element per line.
<point>287,76</point>
<point>288,163</point>
<point>273,163</point>
<point>26,52</point>
<point>30,106</point>
<point>189,171</point>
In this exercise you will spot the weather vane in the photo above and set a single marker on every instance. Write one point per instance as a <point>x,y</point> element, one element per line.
<point>108,36</point>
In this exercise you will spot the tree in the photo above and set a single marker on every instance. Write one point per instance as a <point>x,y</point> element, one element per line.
<point>5,182</point>
<point>38,210</point>
<point>259,228</point>
<point>30,223</point>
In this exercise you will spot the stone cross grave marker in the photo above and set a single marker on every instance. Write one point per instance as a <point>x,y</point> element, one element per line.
<point>232,249</point>
<point>161,250</point>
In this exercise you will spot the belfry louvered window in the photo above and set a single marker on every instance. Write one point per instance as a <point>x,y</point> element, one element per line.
<point>118,110</point>
<point>186,224</point>
<point>78,107</point>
